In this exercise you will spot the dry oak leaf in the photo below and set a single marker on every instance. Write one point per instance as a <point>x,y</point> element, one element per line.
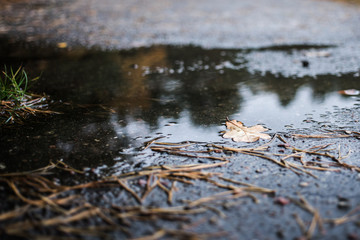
<point>239,133</point>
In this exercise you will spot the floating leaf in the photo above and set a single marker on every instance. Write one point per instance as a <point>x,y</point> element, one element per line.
<point>350,92</point>
<point>239,133</point>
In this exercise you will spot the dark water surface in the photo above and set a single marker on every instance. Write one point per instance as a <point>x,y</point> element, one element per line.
<point>114,101</point>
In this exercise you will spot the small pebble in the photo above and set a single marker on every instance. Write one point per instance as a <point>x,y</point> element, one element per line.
<point>305,63</point>
<point>303,184</point>
<point>343,203</point>
<point>282,201</point>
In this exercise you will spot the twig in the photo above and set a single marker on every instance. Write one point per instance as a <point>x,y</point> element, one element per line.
<point>316,220</point>
<point>350,216</point>
<point>122,184</point>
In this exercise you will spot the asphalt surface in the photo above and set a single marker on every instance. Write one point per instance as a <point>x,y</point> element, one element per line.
<point>112,24</point>
<point>293,39</point>
<point>126,24</point>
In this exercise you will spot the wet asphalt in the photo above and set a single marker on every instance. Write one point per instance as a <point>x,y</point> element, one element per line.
<point>127,24</point>
<point>275,33</point>
<point>111,24</point>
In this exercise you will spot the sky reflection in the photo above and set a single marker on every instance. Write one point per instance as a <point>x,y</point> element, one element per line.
<point>116,101</point>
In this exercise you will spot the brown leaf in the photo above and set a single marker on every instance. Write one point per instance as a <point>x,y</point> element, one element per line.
<point>239,133</point>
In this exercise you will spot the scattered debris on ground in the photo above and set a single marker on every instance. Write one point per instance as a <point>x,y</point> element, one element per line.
<point>44,206</point>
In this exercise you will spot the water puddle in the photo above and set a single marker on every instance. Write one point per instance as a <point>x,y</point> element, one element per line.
<point>114,101</point>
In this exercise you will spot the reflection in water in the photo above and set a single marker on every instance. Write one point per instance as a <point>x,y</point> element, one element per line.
<point>133,91</point>
<point>180,93</point>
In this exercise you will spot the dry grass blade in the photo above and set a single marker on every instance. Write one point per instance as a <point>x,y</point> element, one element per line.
<point>190,175</point>
<point>149,189</point>
<point>148,143</point>
<point>257,152</point>
<point>294,166</point>
<point>316,220</point>
<point>66,167</point>
<point>142,211</point>
<point>122,184</point>
<point>180,153</point>
<point>336,159</point>
<point>321,168</point>
<point>320,136</point>
<point>165,189</point>
<point>14,213</point>
<point>40,171</point>
<point>64,201</point>
<point>350,216</point>
<point>236,193</point>
<point>104,217</point>
<point>175,145</point>
<point>166,170</point>
<point>194,167</point>
<point>178,179</point>
<point>180,149</point>
<point>265,156</point>
<point>53,204</point>
<point>249,188</point>
<point>27,200</point>
<point>16,111</point>
<point>237,182</point>
<point>301,224</point>
<point>73,216</point>
<point>171,192</point>
<point>322,151</point>
<point>85,214</point>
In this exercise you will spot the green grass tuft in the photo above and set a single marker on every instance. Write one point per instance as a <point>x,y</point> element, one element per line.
<point>14,85</point>
<point>16,102</point>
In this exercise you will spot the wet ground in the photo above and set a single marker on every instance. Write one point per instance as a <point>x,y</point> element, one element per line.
<point>125,73</point>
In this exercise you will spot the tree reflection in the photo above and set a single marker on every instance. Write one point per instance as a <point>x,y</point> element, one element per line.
<point>165,81</point>
<point>143,87</point>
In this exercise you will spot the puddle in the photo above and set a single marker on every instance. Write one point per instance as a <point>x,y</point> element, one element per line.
<point>114,101</point>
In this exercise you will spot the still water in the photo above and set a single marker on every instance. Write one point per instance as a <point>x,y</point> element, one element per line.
<point>114,101</point>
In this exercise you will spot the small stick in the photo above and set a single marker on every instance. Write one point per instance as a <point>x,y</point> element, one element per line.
<point>319,136</point>
<point>171,191</point>
<point>188,155</point>
<point>148,143</point>
<point>165,189</point>
<point>149,190</point>
<point>122,184</point>
<point>301,223</point>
